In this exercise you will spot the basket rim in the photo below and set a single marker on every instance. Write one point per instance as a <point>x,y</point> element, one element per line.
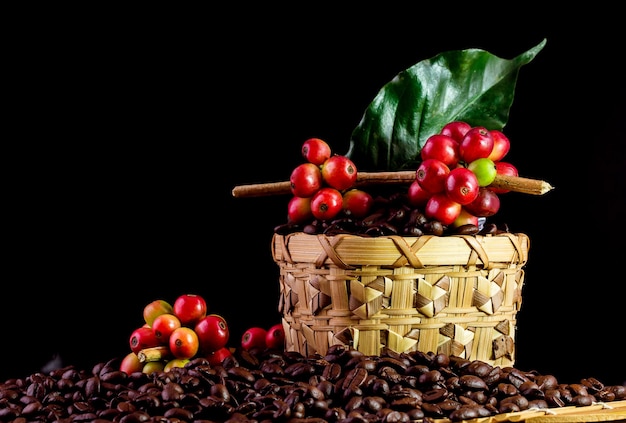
<point>349,250</point>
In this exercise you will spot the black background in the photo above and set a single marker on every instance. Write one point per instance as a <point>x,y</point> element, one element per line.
<point>128,135</point>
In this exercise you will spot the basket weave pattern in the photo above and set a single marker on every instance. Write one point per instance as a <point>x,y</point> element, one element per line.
<point>456,294</point>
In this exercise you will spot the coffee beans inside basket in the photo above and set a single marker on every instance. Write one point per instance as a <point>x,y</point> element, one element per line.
<point>344,386</point>
<point>390,215</point>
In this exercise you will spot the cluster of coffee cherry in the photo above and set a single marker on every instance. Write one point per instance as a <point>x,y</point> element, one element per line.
<point>172,334</point>
<point>452,182</point>
<point>451,186</point>
<point>324,186</point>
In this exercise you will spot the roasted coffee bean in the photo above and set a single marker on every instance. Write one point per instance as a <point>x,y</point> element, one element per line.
<point>308,420</point>
<point>178,413</point>
<point>172,392</point>
<point>90,417</point>
<point>332,372</point>
<point>368,364</point>
<point>537,403</point>
<point>327,388</point>
<point>390,375</point>
<point>432,410</point>
<point>405,403</point>
<point>380,387</point>
<point>393,416</point>
<point>578,389</point>
<point>148,402</point>
<point>504,390</point>
<point>519,400</point>
<point>220,391</point>
<point>566,393</point>
<point>465,412</point>
<point>335,414</point>
<point>396,364</point>
<point>136,417</point>
<point>508,407</point>
<point>430,377</point>
<point>441,361</point>
<point>593,385</point>
<point>34,408</point>
<point>416,414</point>
<point>553,398</point>
<point>351,391</point>
<point>435,395</point>
<point>468,229</point>
<point>353,403</point>
<point>582,400</point>
<point>472,382</point>
<point>126,407</point>
<point>109,414</point>
<point>546,382</point>
<point>488,228</point>
<point>448,405</point>
<point>354,378</point>
<point>412,231</point>
<point>300,370</point>
<point>433,228</point>
<point>494,376</point>
<point>342,386</point>
<point>605,396</point>
<point>517,377</point>
<point>478,368</point>
<point>374,403</point>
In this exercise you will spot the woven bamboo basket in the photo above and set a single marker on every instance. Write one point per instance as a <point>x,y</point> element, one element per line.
<point>456,294</point>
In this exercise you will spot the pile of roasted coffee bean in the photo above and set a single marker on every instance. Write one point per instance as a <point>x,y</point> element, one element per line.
<point>344,386</point>
<point>390,215</point>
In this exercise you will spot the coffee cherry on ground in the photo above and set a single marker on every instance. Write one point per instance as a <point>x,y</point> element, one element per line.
<point>153,366</point>
<point>275,337</point>
<point>184,342</point>
<point>131,364</point>
<point>254,337</point>
<point>217,357</point>
<point>175,362</point>
<point>190,308</point>
<point>213,333</point>
<point>164,325</point>
<point>155,308</point>
<point>141,338</point>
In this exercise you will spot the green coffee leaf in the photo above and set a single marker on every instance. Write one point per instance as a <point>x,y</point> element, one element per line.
<point>471,85</point>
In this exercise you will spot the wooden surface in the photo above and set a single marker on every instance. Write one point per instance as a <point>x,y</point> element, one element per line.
<point>614,411</point>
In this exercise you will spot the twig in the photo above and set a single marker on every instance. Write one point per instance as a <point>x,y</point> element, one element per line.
<point>512,183</point>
